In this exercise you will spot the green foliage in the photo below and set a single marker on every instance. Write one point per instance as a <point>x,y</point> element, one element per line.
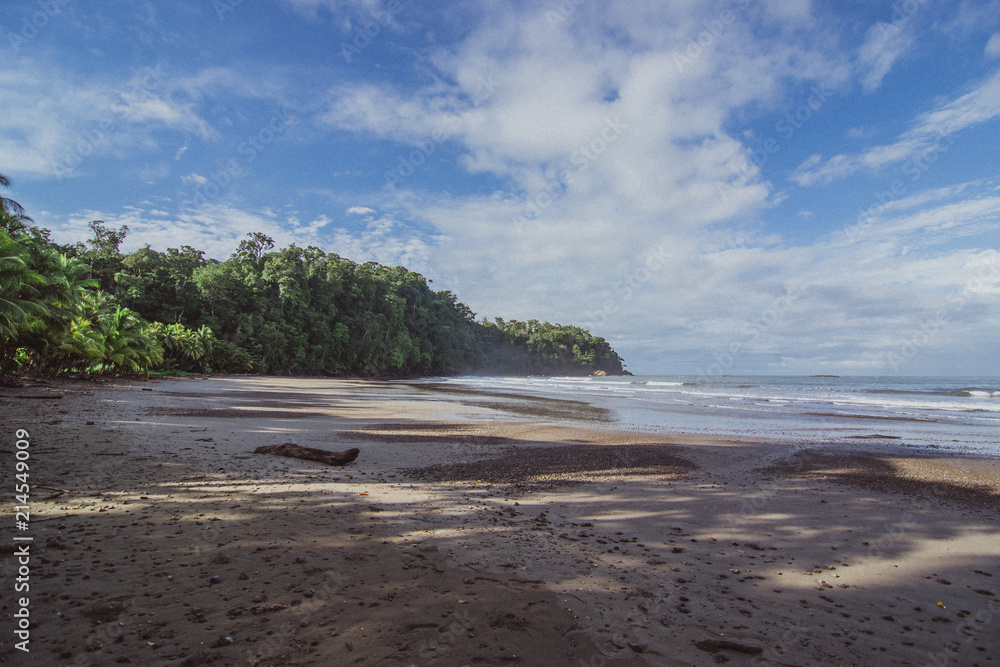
<point>52,318</point>
<point>18,288</point>
<point>541,348</point>
<point>89,308</point>
<point>129,343</point>
<point>183,348</point>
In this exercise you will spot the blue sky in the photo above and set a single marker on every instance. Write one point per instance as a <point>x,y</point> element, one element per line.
<point>747,186</point>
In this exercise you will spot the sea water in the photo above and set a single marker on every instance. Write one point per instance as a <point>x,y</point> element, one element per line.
<point>961,414</point>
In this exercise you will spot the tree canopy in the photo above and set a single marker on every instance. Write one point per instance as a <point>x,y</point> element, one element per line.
<point>88,307</point>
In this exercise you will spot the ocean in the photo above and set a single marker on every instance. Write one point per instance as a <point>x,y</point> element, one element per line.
<point>960,414</point>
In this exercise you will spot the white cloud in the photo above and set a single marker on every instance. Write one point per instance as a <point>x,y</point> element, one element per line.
<point>884,44</point>
<point>221,82</point>
<point>930,131</point>
<point>384,240</point>
<point>625,196</point>
<point>973,17</point>
<point>925,197</point>
<point>145,107</point>
<point>365,9</point>
<point>859,132</point>
<point>194,179</point>
<point>992,49</point>
<point>846,303</point>
<point>607,150</point>
<point>383,112</point>
<point>931,217</point>
<point>639,233</point>
<point>979,105</point>
<point>46,122</point>
<point>214,228</point>
<point>797,11</point>
<point>52,122</point>
<point>217,229</point>
<point>841,303</point>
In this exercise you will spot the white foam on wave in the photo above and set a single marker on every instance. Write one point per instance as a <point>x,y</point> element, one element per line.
<point>935,410</point>
<point>808,397</point>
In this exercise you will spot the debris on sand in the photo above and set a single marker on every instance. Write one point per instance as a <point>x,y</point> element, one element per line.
<point>310,453</point>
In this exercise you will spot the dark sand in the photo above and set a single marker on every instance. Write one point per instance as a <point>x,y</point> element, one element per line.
<point>463,537</point>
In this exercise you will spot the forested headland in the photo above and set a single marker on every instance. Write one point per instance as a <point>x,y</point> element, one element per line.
<point>88,308</point>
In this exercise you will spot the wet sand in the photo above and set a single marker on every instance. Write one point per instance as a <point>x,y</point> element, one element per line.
<point>479,529</point>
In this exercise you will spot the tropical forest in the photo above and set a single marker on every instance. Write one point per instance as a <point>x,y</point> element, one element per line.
<point>90,309</point>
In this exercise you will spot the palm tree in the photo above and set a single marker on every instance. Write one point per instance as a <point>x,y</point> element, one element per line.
<point>183,344</point>
<point>128,343</point>
<point>14,275</point>
<point>82,345</point>
<point>21,288</point>
<point>12,217</point>
<point>57,300</point>
<point>205,339</point>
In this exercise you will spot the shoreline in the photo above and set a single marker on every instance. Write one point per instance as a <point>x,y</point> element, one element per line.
<point>931,414</point>
<point>558,543</point>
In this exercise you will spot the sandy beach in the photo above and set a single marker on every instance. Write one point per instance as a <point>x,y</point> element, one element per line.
<point>477,529</point>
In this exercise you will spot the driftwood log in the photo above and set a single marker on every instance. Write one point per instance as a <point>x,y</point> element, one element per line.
<point>310,453</point>
<point>713,645</point>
